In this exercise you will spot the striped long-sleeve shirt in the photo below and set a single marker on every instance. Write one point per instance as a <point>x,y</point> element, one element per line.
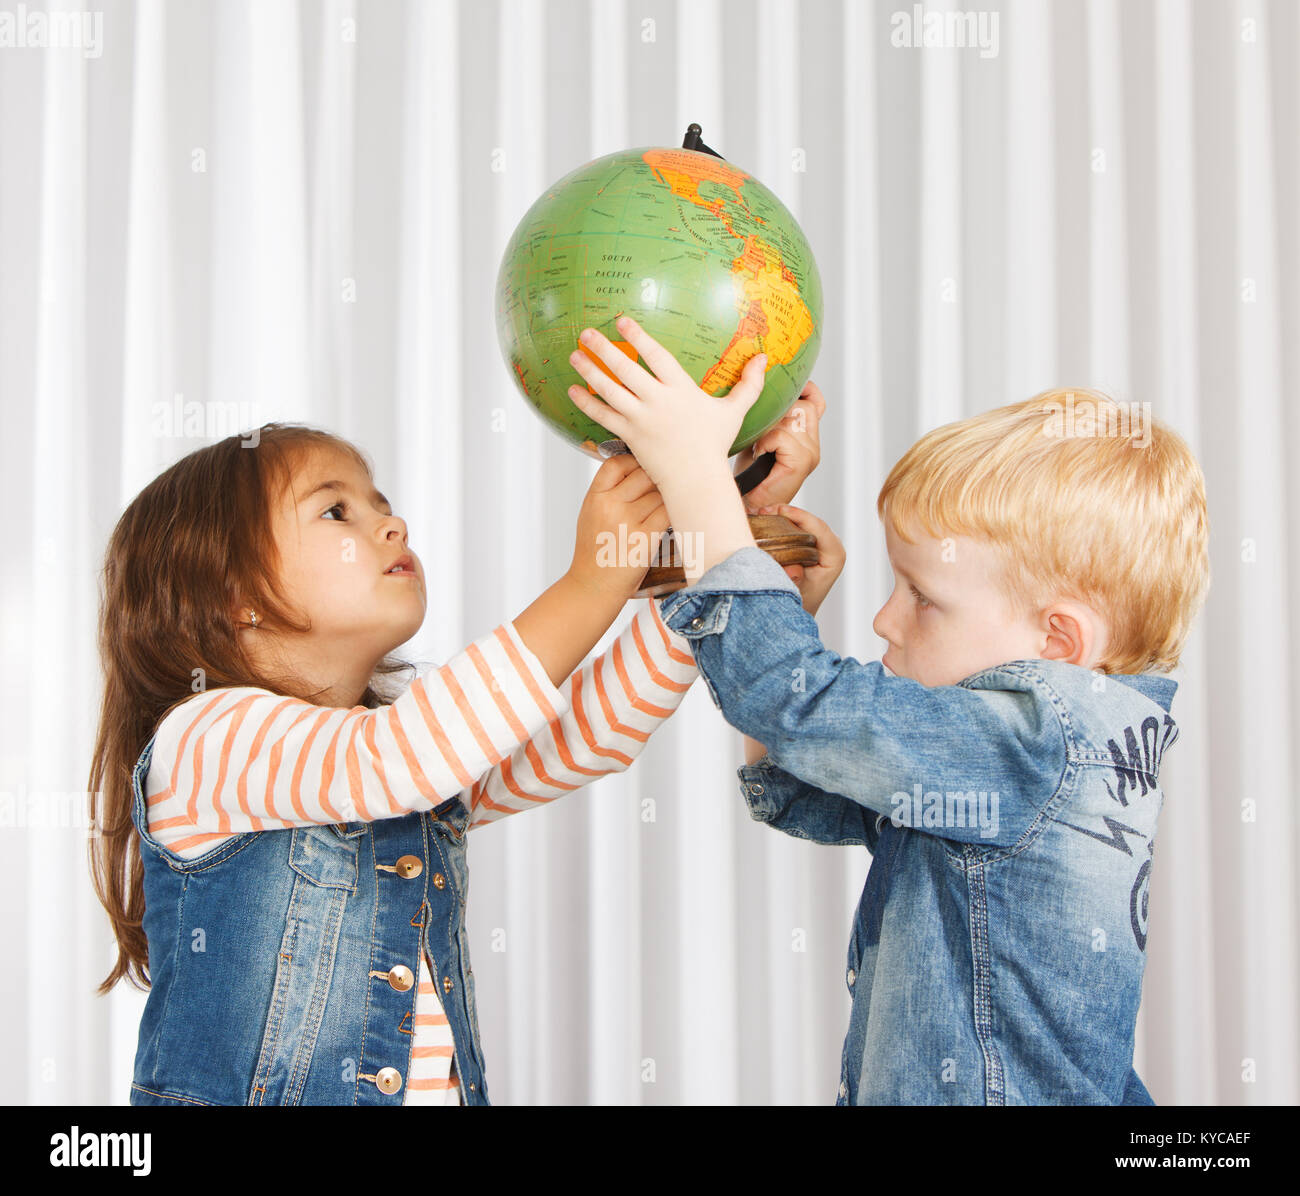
<point>488,725</point>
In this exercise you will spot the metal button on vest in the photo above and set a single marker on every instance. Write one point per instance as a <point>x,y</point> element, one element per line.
<point>852,977</point>
<point>446,984</point>
<point>388,1079</point>
<point>400,977</point>
<point>756,789</point>
<point>697,622</point>
<point>439,881</point>
<point>410,866</point>
<point>844,1088</point>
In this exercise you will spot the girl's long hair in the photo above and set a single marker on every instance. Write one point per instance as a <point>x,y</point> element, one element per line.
<point>195,546</point>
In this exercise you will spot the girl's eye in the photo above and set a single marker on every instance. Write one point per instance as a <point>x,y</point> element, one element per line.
<point>338,506</point>
<point>921,600</point>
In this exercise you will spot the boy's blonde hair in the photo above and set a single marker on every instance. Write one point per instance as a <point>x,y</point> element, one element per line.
<point>1085,499</point>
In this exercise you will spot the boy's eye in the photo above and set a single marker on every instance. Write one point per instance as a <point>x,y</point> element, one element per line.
<point>921,600</point>
<point>338,506</point>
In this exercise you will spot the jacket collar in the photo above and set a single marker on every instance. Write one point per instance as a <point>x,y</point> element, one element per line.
<point>1151,685</point>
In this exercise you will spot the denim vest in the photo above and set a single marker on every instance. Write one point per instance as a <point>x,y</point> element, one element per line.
<point>998,949</point>
<point>285,964</point>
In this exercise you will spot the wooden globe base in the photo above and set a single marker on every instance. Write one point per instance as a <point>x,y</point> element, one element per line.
<point>776,535</point>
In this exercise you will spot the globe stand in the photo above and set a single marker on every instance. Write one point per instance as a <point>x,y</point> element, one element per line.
<point>776,535</point>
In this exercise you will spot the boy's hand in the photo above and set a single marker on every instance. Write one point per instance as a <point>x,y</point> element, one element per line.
<point>621,492</point>
<point>797,444</point>
<point>677,431</point>
<point>813,581</point>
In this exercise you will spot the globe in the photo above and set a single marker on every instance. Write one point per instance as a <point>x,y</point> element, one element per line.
<point>703,256</point>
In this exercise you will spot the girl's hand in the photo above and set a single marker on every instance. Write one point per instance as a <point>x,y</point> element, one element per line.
<point>607,562</point>
<point>676,430</point>
<point>814,581</point>
<point>797,444</point>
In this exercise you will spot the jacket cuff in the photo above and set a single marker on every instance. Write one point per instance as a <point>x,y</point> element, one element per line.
<point>767,790</point>
<point>701,608</point>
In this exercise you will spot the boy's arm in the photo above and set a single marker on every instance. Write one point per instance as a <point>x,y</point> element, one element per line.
<point>788,804</point>
<point>615,703</point>
<point>849,728</point>
<point>754,751</point>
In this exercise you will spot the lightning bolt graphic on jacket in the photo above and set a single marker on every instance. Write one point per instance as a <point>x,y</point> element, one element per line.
<point>1115,839</point>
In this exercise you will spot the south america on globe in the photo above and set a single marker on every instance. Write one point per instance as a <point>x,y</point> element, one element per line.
<point>703,256</point>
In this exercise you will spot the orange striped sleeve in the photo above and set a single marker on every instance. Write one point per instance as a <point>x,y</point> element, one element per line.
<point>245,759</point>
<point>616,702</point>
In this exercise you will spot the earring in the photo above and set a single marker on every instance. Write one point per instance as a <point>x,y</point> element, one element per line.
<point>252,618</point>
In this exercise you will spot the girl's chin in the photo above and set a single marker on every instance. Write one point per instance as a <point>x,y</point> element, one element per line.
<point>402,628</point>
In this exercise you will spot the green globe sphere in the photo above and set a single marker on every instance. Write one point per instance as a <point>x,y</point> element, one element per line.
<point>703,256</point>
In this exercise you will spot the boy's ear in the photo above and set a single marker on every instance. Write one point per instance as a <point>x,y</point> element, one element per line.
<point>1072,634</point>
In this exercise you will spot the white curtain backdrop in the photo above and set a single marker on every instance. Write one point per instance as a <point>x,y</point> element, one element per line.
<point>296,210</point>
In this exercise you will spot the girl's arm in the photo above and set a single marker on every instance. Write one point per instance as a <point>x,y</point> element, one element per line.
<point>489,721</point>
<point>242,758</point>
<point>566,621</point>
<point>615,704</point>
<point>246,759</point>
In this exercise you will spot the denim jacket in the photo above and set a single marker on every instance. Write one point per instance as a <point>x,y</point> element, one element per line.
<point>330,913</point>
<point>998,947</point>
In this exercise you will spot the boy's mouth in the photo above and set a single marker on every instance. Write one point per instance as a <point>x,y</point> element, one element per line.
<point>403,564</point>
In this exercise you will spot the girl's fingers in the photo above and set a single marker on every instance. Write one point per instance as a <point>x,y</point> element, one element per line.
<point>649,513</point>
<point>796,515</point>
<point>800,423</point>
<point>665,366</point>
<point>613,470</point>
<point>631,375</point>
<point>760,493</point>
<point>802,518</point>
<point>829,549</point>
<point>812,394</point>
<point>784,442</point>
<point>634,484</point>
<point>618,465</point>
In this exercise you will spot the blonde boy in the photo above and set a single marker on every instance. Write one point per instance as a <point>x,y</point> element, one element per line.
<point>1005,777</point>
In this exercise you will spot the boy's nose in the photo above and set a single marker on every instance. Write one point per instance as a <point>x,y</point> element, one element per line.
<point>879,624</point>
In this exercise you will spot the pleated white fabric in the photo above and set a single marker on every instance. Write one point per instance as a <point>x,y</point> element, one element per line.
<point>261,209</point>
